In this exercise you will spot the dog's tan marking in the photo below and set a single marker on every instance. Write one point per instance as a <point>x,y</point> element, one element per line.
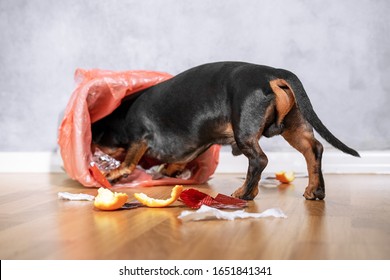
<point>228,129</point>
<point>173,168</point>
<point>134,155</point>
<point>299,134</point>
<point>284,98</point>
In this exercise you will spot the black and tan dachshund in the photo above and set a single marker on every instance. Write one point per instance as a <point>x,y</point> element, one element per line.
<point>227,103</point>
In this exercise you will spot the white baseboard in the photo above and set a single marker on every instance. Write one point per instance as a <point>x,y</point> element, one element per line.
<point>34,162</point>
<point>371,162</point>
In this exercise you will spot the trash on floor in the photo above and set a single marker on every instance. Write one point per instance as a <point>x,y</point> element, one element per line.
<point>153,202</point>
<point>75,196</point>
<point>209,213</point>
<point>195,199</point>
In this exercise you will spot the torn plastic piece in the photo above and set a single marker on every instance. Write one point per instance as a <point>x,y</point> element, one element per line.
<point>195,199</point>
<point>209,213</point>
<point>154,171</point>
<point>75,196</point>
<point>104,162</point>
<point>185,174</point>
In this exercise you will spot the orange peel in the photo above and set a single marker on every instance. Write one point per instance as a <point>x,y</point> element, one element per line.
<point>285,177</point>
<point>108,200</point>
<point>153,202</point>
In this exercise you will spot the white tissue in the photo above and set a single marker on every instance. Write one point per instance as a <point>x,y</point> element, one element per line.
<point>75,196</point>
<point>209,213</point>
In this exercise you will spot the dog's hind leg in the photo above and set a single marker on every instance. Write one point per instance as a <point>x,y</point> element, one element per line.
<point>299,134</point>
<point>248,125</point>
<point>247,132</point>
<point>257,162</point>
<point>134,154</point>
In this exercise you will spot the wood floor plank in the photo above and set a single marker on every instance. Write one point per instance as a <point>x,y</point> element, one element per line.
<point>353,222</point>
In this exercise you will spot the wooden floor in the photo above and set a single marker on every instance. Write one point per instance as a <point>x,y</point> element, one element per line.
<point>352,223</point>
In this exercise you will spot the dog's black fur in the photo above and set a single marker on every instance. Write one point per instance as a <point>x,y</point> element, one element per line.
<point>232,103</point>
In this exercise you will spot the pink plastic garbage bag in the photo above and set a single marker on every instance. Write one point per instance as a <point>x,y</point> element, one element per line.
<point>98,93</point>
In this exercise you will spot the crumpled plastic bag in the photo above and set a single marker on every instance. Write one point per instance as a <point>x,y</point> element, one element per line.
<point>98,93</point>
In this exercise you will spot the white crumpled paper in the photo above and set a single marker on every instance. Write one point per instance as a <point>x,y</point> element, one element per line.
<point>75,196</point>
<point>209,213</point>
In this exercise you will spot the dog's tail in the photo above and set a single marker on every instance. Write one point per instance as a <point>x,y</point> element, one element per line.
<point>306,108</point>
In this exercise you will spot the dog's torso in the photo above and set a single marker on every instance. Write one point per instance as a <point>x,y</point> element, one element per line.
<point>218,103</point>
<point>182,117</point>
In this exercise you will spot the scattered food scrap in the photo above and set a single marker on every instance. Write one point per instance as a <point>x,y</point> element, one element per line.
<point>208,207</point>
<point>153,202</point>
<point>108,200</point>
<point>285,177</point>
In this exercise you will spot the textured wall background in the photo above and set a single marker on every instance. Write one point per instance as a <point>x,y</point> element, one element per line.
<point>339,49</point>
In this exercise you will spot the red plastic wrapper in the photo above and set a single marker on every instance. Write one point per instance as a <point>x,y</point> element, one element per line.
<point>99,177</point>
<point>98,93</point>
<point>195,199</point>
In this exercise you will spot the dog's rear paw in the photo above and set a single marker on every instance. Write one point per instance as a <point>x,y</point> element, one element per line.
<point>319,194</point>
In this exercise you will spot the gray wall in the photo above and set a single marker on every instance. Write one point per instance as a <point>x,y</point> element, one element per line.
<point>340,50</point>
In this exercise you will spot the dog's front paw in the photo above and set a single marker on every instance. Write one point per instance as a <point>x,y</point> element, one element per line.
<point>115,175</point>
<point>112,177</point>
